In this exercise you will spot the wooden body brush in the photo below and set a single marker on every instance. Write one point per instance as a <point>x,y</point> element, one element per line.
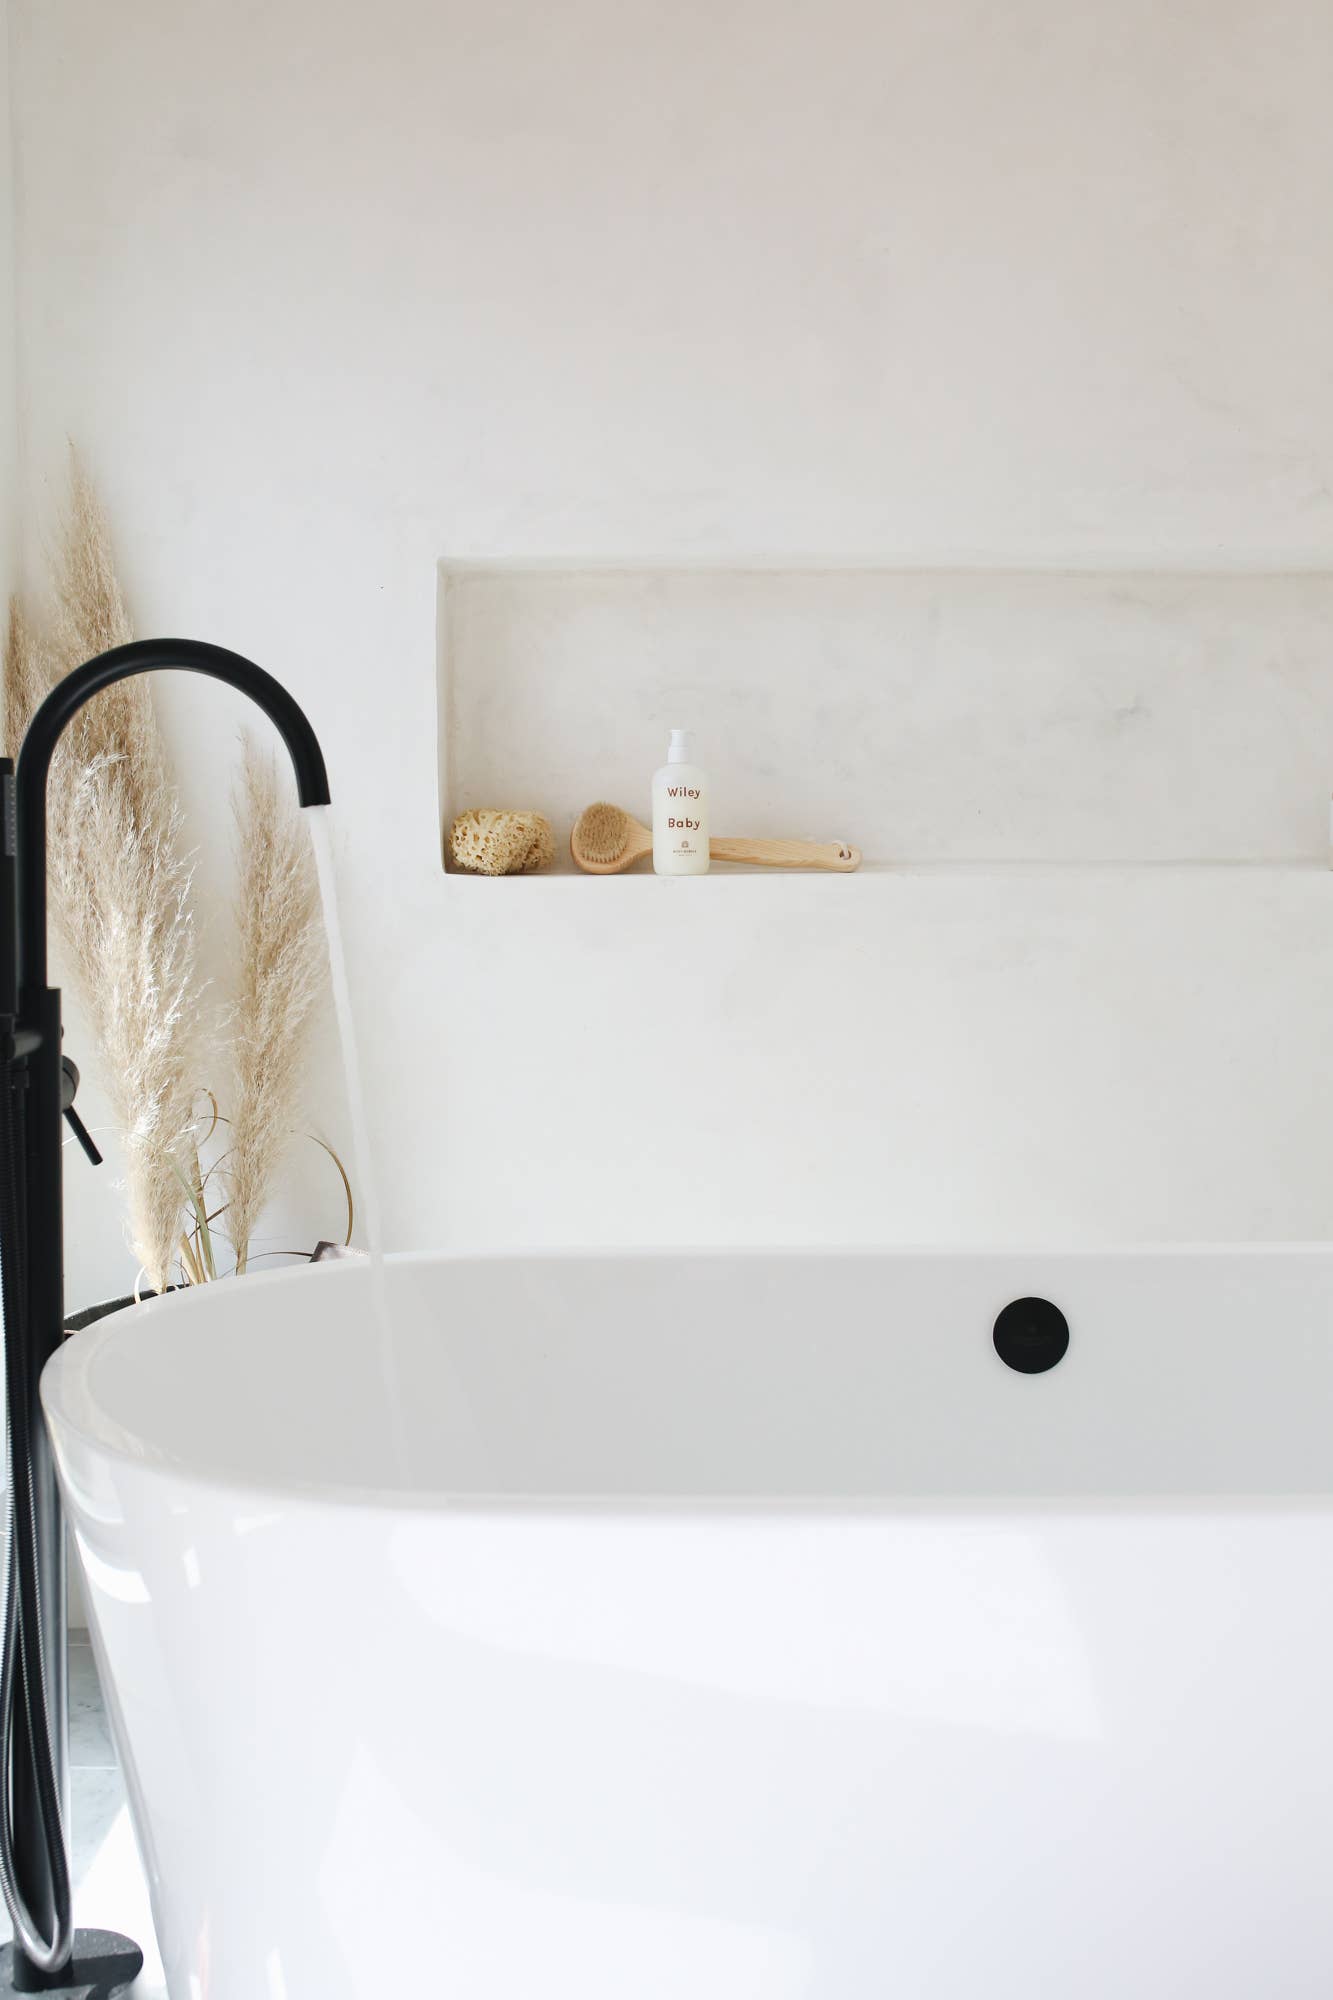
<point>606,840</point>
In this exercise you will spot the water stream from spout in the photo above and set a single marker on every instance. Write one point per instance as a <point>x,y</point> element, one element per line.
<point>319,819</point>
<point>367,1194</point>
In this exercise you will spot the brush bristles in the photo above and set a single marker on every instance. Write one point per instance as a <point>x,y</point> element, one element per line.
<point>603,833</point>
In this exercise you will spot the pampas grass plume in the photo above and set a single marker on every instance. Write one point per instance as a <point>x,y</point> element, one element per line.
<point>119,878</point>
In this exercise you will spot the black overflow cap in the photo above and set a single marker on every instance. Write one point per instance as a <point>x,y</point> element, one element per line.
<point>1031,1335</point>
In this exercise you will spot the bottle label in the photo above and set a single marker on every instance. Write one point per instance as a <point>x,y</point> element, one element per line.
<point>680,824</point>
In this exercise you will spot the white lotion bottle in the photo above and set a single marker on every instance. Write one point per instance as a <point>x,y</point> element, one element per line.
<point>680,811</point>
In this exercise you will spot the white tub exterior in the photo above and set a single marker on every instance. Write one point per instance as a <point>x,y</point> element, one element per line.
<point>722,1627</point>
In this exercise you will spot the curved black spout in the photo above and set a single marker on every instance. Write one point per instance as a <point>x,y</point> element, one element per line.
<point>64,701</point>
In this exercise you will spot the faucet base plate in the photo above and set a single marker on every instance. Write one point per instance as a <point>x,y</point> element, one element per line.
<point>103,1967</point>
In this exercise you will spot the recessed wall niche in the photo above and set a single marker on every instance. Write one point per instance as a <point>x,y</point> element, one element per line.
<point>928,717</point>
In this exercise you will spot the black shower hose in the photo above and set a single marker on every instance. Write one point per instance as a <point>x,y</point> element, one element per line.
<point>22,1668</point>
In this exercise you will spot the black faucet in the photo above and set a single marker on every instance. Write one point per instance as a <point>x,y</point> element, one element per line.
<point>37,1085</point>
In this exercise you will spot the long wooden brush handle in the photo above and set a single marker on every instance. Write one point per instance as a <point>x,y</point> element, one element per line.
<point>831,854</point>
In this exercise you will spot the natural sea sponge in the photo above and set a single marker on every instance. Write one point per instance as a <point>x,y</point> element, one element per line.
<point>491,840</point>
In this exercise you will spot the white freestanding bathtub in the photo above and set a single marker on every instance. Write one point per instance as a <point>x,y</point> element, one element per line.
<point>722,1627</point>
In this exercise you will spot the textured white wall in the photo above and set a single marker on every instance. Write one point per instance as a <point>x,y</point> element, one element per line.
<point>909,282</point>
<point>327,294</point>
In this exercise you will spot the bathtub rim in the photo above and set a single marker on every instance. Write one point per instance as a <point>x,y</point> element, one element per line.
<point>153,1462</point>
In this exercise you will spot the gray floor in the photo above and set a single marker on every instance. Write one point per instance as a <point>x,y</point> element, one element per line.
<point>109,1888</point>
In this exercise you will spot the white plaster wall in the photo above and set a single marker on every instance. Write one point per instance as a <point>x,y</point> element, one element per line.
<point>328,294</point>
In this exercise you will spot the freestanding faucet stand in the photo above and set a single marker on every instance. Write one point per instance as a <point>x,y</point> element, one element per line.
<point>47,1955</point>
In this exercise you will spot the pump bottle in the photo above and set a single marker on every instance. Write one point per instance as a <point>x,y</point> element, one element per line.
<point>680,811</point>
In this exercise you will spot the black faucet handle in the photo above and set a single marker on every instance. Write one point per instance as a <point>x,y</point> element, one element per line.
<point>69,1083</point>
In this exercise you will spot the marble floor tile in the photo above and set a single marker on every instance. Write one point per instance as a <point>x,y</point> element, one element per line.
<point>90,1746</point>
